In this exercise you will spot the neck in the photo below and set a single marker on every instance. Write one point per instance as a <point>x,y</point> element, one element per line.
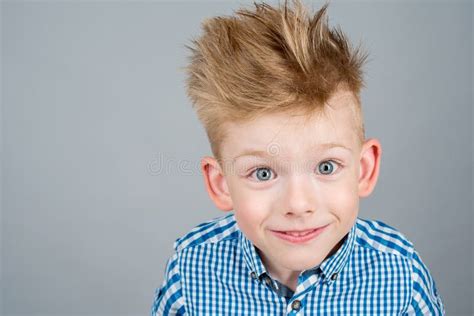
<point>287,277</point>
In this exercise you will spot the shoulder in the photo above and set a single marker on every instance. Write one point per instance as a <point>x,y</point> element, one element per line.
<point>209,232</point>
<point>381,237</point>
<point>169,299</point>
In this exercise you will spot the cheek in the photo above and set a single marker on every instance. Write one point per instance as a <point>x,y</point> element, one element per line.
<point>250,204</point>
<point>251,210</point>
<point>249,219</point>
<point>343,197</point>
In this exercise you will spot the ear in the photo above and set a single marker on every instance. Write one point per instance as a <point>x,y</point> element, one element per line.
<point>369,166</point>
<point>216,184</point>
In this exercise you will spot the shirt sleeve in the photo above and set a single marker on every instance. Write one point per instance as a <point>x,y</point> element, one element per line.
<point>425,299</point>
<point>168,299</point>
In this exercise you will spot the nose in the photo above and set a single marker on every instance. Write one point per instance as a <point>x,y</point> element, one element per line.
<point>299,195</point>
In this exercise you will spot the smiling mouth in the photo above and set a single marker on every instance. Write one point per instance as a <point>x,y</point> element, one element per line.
<point>299,236</point>
<point>298,233</point>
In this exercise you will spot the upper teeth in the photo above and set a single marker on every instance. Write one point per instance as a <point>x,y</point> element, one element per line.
<point>299,234</point>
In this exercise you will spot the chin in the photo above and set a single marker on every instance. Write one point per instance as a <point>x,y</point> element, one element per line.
<point>303,263</point>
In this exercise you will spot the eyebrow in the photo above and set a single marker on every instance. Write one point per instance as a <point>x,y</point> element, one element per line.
<point>263,153</point>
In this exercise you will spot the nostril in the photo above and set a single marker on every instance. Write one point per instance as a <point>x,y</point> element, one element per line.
<point>291,213</point>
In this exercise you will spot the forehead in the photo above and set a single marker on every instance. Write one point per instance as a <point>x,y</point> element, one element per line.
<point>294,134</point>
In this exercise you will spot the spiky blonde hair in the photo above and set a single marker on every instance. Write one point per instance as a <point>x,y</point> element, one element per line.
<point>266,61</point>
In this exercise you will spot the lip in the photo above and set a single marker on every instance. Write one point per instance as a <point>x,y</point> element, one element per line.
<point>311,234</point>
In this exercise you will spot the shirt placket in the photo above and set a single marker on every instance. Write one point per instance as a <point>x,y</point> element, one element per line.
<point>306,284</point>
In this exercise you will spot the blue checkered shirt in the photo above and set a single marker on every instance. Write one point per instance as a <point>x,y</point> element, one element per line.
<point>215,270</point>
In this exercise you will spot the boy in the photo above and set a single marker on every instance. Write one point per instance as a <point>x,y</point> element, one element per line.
<point>279,95</point>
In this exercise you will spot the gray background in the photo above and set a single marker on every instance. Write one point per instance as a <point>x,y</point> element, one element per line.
<point>100,146</point>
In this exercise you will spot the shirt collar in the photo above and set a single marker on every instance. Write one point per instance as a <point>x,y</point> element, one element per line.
<point>333,265</point>
<point>330,267</point>
<point>252,258</point>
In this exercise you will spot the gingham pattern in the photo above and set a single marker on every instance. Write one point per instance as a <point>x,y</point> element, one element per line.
<point>215,270</point>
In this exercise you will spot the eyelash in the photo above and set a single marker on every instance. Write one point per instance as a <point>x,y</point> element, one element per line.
<point>338,164</point>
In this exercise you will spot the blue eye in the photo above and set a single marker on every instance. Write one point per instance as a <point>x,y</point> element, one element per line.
<point>263,174</point>
<point>326,167</point>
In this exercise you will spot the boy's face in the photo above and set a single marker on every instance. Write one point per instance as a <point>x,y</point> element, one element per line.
<point>293,180</point>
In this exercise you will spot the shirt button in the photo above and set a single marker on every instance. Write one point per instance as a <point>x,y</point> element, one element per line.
<point>334,277</point>
<point>296,305</point>
<point>253,275</point>
<point>268,281</point>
